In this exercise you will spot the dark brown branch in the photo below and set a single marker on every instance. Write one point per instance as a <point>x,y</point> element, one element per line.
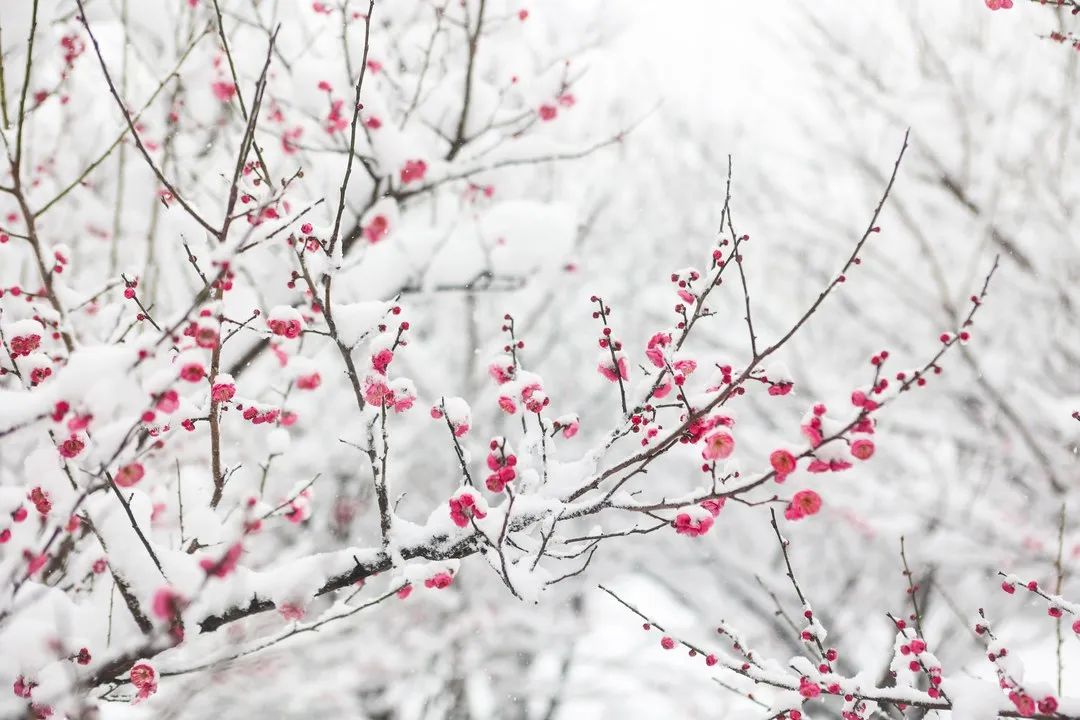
<point>134,133</point>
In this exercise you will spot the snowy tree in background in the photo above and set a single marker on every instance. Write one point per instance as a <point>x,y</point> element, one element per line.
<point>346,345</point>
<point>986,470</point>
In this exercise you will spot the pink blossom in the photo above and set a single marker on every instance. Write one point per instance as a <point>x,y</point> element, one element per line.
<point>41,500</point>
<point>206,337</point>
<point>714,506</point>
<point>36,562</point>
<point>168,402</point>
<point>571,429</point>
<point>805,502</point>
<point>501,373</point>
<point>616,371</point>
<point>694,527</point>
<point>862,448</point>
<point>684,367</point>
<point>167,603</point>
<point>718,446</point>
<point>547,112</point>
<point>144,679</point>
<point>413,171</point>
<point>23,345</point>
<point>377,392</point>
<point>1024,704</point>
<point>23,687</point>
<point>224,91</point>
<point>71,447</point>
<point>309,382</point>
<point>860,399</point>
<point>780,388</point>
<point>299,509</point>
<point>498,480</point>
<point>222,391</point>
<point>192,372</point>
<point>401,401</point>
<point>286,328</point>
<point>1048,705</point>
<point>783,462</point>
<point>655,349</point>
<point>79,422</point>
<point>463,507</point>
<point>290,138</point>
<point>381,360</point>
<point>376,230</point>
<point>534,398</point>
<point>335,120</point>
<point>812,431</point>
<point>291,611</point>
<point>226,564</point>
<point>439,581</point>
<point>809,689</point>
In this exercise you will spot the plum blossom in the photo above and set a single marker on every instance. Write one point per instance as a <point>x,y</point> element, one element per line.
<point>465,505</point>
<point>291,611</point>
<point>144,678</point>
<point>862,448</point>
<point>381,360</point>
<point>223,566</point>
<point>502,369</point>
<point>41,500</point>
<point>715,505</point>
<point>693,522</point>
<point>501,461</point>
<point>377,229</point>
<point>71,447</point>
<point>803,504</point>
<point>285,321</point>
<point>439,581</point>
<point>613,372</point>
<point>223,389</point>
<point>224,91</point>
<point>457,413</point>
<point>718,446</point>
<point>569,425</point>
<point>783,462</point>
<point>655,349</point>
<point>192,372</point>
<point>413,171</point>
